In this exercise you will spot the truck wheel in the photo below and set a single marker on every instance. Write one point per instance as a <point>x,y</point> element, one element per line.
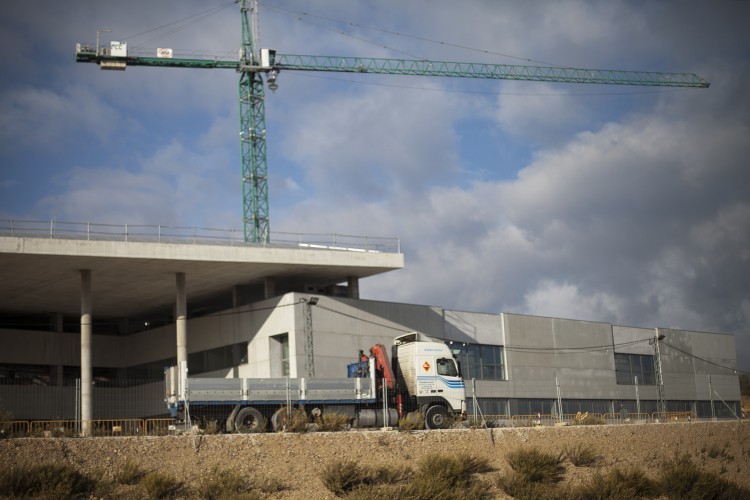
<point>249,420</point>
<point>279,420</point>
<point>436,417</point>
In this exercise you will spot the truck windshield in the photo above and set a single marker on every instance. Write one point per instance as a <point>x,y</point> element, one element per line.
<point>446,366</point>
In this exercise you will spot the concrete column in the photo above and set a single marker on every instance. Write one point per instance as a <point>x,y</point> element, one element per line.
<point>269,287</point>
<point>181,318</point>
<point>58,325</point>
<point>352,289</point>
<point>86,368</point>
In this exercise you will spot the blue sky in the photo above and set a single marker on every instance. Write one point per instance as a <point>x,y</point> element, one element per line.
<point>625,205</point>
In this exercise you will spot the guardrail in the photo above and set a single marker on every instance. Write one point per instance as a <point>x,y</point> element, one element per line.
<point>140,233</point>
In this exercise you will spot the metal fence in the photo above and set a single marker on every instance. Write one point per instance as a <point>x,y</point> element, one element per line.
<point>193,235</point>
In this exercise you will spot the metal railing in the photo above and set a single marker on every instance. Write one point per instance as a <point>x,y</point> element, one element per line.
<point>142,233</point>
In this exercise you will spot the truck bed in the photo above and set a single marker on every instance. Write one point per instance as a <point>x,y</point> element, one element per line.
<point>278,390</point>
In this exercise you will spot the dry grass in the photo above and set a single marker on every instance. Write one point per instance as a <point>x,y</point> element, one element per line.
<point>536,466</point>
<point>581,455</point>
<point>332,422</point>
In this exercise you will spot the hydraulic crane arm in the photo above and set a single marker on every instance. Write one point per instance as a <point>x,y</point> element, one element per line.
<point>345,64</point>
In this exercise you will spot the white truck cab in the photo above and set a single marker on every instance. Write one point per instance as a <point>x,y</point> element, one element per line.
<point>429,372</point>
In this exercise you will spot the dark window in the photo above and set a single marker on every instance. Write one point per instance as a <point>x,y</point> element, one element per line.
<point>630,366</point>
<point>482,362</point>
<point>447,367</point>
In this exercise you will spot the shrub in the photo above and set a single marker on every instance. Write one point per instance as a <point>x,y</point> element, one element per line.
<point>680,478</point>
<point>519,487</point>
<point>297,421</point>
<point>332,422</point>
<point>437,476</point>
<point>535,466</point>
<point>160,485</point>
<point>456,470</point>
<point>616,483</point>
<point>45,481</point>
<point>129,472</point>
<point>411,421</point>
<point>342,476</point>
<point>581,455</point>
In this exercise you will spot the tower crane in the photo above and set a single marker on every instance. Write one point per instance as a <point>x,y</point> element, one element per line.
<point>254,63</point>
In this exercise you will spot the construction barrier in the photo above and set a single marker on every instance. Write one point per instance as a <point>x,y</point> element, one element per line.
<point>672,416</point>
<point>14,428</point>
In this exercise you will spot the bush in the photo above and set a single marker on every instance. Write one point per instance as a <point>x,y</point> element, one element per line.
<point>581,455</point>
<point>617,484</point>
<point>129,472</point>
<point>45,481</point>
<point>437,476</point>
<point>456,470</point>
<point>519,487</point>
<point>297,421</point>
<point>332,422</point>
<point>680,478</point>
<point>160,485</point>
<point>342,476</point>
<point>412,421</point>
<point>536,466</point>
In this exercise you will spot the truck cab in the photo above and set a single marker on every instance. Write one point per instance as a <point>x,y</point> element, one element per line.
<point>429,378</point>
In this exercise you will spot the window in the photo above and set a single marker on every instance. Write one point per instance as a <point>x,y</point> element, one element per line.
<point>446,367</point>
<point>280,355</point>
<point>479,361</point>
<point>629,366</point>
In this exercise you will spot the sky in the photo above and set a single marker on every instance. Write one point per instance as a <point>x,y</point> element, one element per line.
<point>628,205</point>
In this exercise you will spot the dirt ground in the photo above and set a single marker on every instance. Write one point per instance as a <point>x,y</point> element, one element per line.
<point>296,460</point>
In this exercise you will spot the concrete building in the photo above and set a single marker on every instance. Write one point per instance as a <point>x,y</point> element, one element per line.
<point>111,310</point>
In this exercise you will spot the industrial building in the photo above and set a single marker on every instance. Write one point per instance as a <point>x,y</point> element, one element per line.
<point>110,307</point>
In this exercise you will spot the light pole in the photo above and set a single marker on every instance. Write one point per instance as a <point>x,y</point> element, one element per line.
<point>309,352</point>
<point>661,404</point>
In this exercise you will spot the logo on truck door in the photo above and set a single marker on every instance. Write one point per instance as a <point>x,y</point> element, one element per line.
<point>426,366</point>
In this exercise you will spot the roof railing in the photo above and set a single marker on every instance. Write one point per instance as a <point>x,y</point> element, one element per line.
<point>144,233</point>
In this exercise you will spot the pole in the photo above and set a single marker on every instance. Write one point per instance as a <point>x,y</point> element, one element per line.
<point>637,399</point>
<point>559,401</point>
<point>711,392</point>
<point>662,407</point>
<point>86,341</point>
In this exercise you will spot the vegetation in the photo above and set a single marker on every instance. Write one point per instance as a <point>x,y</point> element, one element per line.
<point>681,478</point>
<point>129,472</point>
<point>617,483</point>
<point>331,422</point>
<point>581,455</point>
<point>44,481</point>
<point>536,466</point>
<point>436,476</point>
<point>411,422</point>
<point>160,485</point>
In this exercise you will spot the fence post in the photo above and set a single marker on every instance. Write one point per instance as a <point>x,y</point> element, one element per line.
<point>385,405</point>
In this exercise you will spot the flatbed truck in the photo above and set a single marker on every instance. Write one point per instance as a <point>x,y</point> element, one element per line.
<point>423,378</point>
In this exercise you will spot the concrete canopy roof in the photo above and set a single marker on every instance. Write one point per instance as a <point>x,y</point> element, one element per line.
<point>130,279</point>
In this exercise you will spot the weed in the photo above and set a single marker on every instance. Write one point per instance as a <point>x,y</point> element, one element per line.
<point>617,483</point>
<point>411,422</point>
<point>44,481</point>
<point>519,487</point>
<point>297,421</point>
<point>581,455</point>
<point>160,485</point>
<point>129,472</point>
<point>535,466</point>
<point>332,422</point>
<point>437,476</point>
<point>681,478</point>
<point>342,476</point>
<point>455,470</point>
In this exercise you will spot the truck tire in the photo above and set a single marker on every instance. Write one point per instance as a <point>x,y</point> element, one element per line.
<point>249,420</point>
<point>436,417</point>
<point>279,420</point>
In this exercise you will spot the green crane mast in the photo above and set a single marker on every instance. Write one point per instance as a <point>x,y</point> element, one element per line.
<point>253,63</point>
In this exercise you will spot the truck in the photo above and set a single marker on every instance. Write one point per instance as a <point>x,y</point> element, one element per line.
<point>424,379</point>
